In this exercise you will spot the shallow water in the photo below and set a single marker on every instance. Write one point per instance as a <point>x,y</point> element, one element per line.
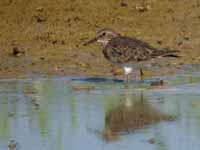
<point>41,114</point>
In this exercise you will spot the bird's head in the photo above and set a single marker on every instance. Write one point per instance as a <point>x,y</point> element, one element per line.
<point>103,36</point>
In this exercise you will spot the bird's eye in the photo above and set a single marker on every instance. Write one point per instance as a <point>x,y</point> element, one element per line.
<point>103,33</point>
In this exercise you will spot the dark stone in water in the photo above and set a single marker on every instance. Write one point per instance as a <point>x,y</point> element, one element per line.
<point>152,141</point>
<point>98,80</point>
<point>83,88</point>
<point>157,83</point>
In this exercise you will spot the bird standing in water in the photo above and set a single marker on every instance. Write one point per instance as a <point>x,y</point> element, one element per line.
<point>124,51</point>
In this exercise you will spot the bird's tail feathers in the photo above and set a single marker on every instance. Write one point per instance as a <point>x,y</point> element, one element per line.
<point>165,53</point>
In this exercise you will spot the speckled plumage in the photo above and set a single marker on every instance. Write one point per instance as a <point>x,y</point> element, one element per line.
<point>120,50</point>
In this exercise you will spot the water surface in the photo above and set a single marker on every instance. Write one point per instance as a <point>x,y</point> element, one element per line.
<point>50,114</point>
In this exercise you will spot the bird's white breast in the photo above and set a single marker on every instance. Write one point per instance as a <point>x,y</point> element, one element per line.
<point>127,70</point>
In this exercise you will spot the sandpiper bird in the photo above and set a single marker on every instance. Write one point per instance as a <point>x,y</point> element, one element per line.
<point>124,51</point>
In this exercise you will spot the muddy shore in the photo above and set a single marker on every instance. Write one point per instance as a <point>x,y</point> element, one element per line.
<point>48,35</point>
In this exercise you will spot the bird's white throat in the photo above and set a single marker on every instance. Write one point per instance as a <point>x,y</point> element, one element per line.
<point>104,42</point>
<point>127,70</point>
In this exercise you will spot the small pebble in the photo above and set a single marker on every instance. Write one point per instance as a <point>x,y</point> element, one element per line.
<point>16,52</point>
<point>143,8</point>
<point>11,114</point>
<point>123,4</point>
<point>159,42</point>
<point>40,9</point>
<point>180,43</point>
<point>151,141</point>
<point>40,18</point>
<point>83,88</point>
<point>157,83</point>
<point>36,106</point>
<point>42,58</point>
<point>186,38</point>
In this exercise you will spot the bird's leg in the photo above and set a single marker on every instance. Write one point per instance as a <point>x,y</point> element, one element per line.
<point>141,74</point>
<point>127,81</point>
<point>127,78</point>
<point>127,71</point>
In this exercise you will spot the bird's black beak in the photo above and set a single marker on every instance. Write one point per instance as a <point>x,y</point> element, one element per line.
<point>90,41</point>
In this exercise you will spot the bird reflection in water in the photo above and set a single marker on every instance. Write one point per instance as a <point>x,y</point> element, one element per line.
<point>134,112</point>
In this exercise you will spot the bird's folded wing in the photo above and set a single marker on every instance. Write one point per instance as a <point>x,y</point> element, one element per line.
<point>165,53</point>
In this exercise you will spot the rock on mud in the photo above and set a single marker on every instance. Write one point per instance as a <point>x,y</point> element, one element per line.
<point>16,52</point>
<point>142,8</point>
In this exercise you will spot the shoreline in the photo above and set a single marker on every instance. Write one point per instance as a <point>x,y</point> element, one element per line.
<point>162,71</point>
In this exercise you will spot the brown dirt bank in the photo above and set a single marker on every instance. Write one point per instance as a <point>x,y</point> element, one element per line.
<point>50,33</point>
